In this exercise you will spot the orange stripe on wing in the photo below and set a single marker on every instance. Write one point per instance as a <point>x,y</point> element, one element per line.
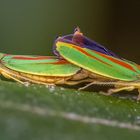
<point>84,52</point>
<point>31,58</point>
<point>117,61</point>
<point>60,62</point>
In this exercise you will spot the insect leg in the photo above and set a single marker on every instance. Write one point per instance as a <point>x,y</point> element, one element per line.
<point>111,91</point>
<point>96,83</point>
<point>88,85</point>
<point>12,77</point>
<point>77,82</point>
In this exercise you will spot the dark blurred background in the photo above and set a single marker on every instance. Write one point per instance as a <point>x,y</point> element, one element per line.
<point>30,26</point>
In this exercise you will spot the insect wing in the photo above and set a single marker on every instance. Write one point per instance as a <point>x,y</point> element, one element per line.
<point>84,42</point>
<point>98,63</point>
<point>39,65</point>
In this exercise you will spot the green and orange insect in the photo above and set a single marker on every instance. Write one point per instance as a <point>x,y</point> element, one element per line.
<point>78,60</point>
<point>46,70</point>
<point>106,68</point>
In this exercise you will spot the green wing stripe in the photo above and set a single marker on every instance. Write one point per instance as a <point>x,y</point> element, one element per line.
<point>51,66</point>
<point>100,65</point>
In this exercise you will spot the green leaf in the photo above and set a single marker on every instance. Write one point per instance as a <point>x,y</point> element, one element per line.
<point>41,113</point>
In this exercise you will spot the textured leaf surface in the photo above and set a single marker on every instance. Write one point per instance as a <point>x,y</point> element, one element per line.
<point>39,113</point>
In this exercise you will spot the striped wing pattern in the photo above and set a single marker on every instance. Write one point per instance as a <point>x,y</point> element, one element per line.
<point>39,65</point>
<point>99,63</point>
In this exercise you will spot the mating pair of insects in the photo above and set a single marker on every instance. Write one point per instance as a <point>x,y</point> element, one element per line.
<point>77,59</point>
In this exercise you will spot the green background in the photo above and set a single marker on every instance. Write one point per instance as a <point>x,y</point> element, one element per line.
<point>31,26</point>
<point>36,112</point>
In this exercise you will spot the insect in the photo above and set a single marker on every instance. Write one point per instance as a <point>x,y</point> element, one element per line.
<point>84,42</point>
<point>47,70</point>
<point>106,67</point>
